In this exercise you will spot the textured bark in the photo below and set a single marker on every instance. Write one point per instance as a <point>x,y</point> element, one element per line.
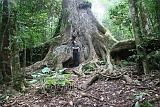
<point>94,42</point>
<point>121,50</point>
<point>144,21</point>
<point>123,45</point>
<point>17,75</point>
<point>158,15</point>
<point>127,79</point>
<point>4,43</point>
<point>138,35</point>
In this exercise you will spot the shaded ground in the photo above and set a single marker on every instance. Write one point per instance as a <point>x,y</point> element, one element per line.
<point>102,93</point>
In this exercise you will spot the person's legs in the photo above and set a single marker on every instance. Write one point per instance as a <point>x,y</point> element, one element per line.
<point>74,59</point>
<point>77,59</point>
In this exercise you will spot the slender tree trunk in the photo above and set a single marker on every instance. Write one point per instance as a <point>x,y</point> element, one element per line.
<point>144,22</point>
<point>25,53</point>
<point>138,36</point>
<point>31,50</point>
<point>17,75</point>
<point>158,15</point>
<point>4,43</point>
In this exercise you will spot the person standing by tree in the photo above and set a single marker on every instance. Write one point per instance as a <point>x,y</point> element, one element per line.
<point>75,48</point>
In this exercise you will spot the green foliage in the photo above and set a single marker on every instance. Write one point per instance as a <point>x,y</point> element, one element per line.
<point>89,67</point>
<point>49,79</point>
<point>146,104</point>
<point>125,63</point>
<point>143,104</point>
<point>4,97</point>
<point>140,95</point>
<point>103,62</point>
<point>119,21</point>
<point>152,14</point>
<point>151,46</point>
<point>37,20</point>
<point>4,94</point>
<point>46,70</point>
<point>136,104</point>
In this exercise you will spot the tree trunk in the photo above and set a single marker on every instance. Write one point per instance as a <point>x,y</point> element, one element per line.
<point>138,36</point>
<point>80,23</point>
<point>144,21</point>
<point>17,75</point>
<point>158,15</point>
<point>4,43</point>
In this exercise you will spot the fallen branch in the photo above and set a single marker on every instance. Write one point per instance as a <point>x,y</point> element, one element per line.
<point>90,81</point>
<point>77,73</point>
<point>157,83</point>
<point>127,79</point>
<point>90,96</point>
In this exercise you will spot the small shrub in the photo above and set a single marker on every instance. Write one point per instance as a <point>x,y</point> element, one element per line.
<point>52,80</point>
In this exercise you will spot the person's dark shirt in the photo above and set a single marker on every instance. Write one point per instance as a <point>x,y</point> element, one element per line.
<point>75,50</point>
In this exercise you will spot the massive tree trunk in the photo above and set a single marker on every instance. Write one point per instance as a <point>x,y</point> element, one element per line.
<point>138,36</point>
<point>78,22</point>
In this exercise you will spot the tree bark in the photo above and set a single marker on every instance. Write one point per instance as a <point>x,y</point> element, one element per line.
<point>158,15</point>
<point>144,21</point>
<point>17,75</point>
<point>4,43</point>
<point>138,36</point>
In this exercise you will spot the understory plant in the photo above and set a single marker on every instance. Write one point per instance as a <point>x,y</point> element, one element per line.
<point>50,81</point>
<point>140,96</point>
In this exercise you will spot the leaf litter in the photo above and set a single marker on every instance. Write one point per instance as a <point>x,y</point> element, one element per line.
<point>102,93</point>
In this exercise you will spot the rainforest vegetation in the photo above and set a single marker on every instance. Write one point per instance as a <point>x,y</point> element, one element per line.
<point>117,43</point>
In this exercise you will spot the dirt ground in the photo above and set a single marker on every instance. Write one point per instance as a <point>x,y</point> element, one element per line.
<point>102,93</point>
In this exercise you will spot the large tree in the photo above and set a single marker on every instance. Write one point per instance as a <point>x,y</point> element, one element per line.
<point>80,24</point>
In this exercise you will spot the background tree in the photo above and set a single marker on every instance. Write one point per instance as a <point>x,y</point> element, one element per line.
<point>4,42</point>
<point>38,20</point>
<point>138,37</point>
<point>118,21</point>
<point>17,75</point>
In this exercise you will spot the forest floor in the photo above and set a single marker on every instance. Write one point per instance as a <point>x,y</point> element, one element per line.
<point>102,93</point>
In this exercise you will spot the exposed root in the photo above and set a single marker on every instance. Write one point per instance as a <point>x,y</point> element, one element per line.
<point>97,76</point>
<point>38,65</point>
<point>112,77</point>
<point>90,81</point>
<point>77,73</point>
<point>127,78</point>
